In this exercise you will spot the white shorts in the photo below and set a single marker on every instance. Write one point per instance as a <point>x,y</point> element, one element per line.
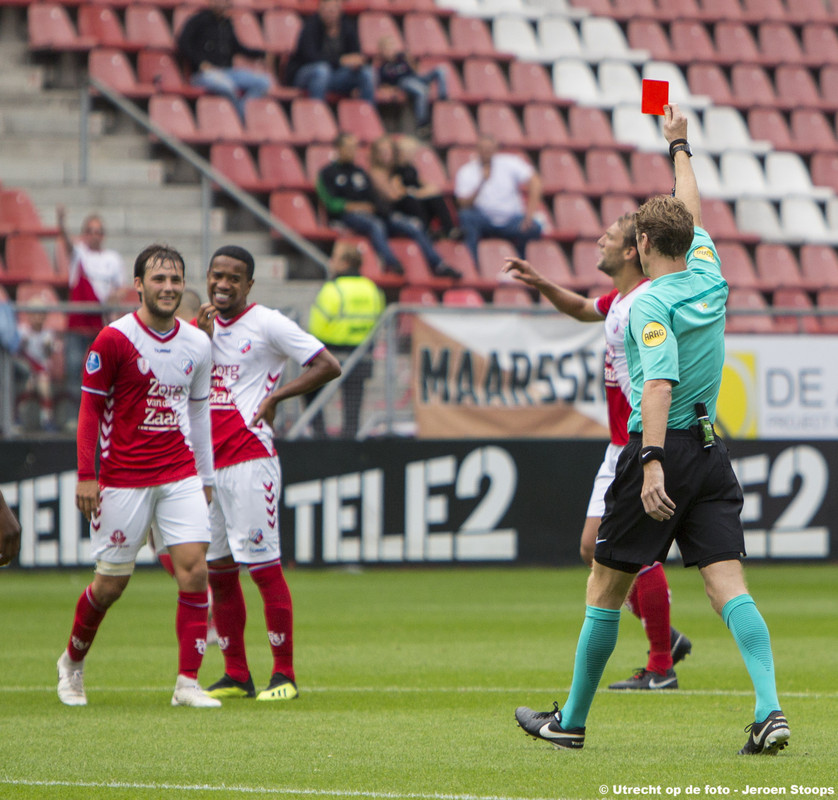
<point>607,470</point>
<point>179,511</point>
<point>244,513</point>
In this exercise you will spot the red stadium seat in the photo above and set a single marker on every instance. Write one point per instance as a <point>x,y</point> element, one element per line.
<point>544,126</point>
<point>560,171</point>
<point>265,121</point>
<point>314,119</point>
<point>812,131</point>
<point>818,267</point>
<point>717,218</point>
<point>820,43</point>
<point>651,174</point>
<point>27,260</point>
<point>425,36</point>
<point>457,255</point>
<point>710,79</point>
<point>779,44</point>
<point>373,26</point>
<point>173,114</point>
<point>282,29</point>
<point>416,269</point>
<point>235,162</point>
<point>799,300</point>
<point>806,11</point>
<point>530,83</point>
<point>146,26</point>
<point>18,214</point>
<point>465,297</point>
<point>715,10</point>
<point>296,211</point>
<point>501,122</point>
<point>50,28</point>
<point>161,71</point>
<point>471,37</point>
<point>101,23</point>
<point>248,29</point>
<point>748,300</point>
<point>418,296</point>
<point>649,34</point>
<point>453,124</point>
<point>431,170</point>
<point>512,295</point>
<point>491,257</point>
<point>614,206</point>
<point>550,260</point>
<point>317,156</point>
<point>484,81</point>
<point>752,86</point>
<point>827,300</point>
<point>576,216</point>
<point>112,67</point>
<point>632,9</point>
<point>759,10</point>
<point>796,87</point>
<point>218,120</point>
<point>736,43</point>
<point>592,127</point>
<point>585,257</point>
<point>737,266</point>
<point>607,172</point>
<point>776,267</point>
<point>361,118</point>
<point>280,166</point>
<point>690,42</point>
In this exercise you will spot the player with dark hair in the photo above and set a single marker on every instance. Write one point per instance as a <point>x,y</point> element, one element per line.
<point>674,480</point>
<point>251,345</point>
<point>649,599</point>
<point>145,397</point>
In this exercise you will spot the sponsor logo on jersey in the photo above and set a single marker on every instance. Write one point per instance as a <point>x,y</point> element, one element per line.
<point>162,350</point>
<point>118,539</point>
<point>244,345</point>
<point>187,365</point>
<point>704,254</point>
<point>143,365</point>
<point>93,363</point>
<point>654,334</point>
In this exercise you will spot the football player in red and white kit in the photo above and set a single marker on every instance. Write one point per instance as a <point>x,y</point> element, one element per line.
<point>251,345</point>
<point>649,598</point>
<point>145,398</point>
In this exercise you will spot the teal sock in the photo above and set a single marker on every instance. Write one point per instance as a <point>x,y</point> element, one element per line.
<point>751,634</point>
<point>596,643</point>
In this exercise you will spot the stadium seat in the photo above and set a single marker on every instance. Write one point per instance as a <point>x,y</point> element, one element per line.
<point>690,43</point>
<point>707,174</point>
<point>146,26</point>
<point>418,296</point>
<point>112,67</point>
<point>759,10</point>
<point>606,171</point>
<point>550,260</point>
<point>457,255</point>
<point>297,212</point>
<point>316,157</point>
<point>370,264</point>
<point>820,42</point>
<point>802,220</point>
<point>453,124</point>
<point>828,83</point>
<point>281,27</point>
<point>678,86</point>
<point>416,269</point>
<point>742,175</point>
<point>801,12</point>
<point>651,173</point>
<point>824,170</point>
<point>218,120</point>
<point>453,80</point>
<point>181,13</point>
<point>576,216</point>
<point>161,70</point>
<point>18,214</point>
<point>748,300</point>
<point>465,297</point>
<point>769,124</point>
<point>372,26</point>
<point>715,10</point>
<point>625,10</point>
<point>544,126</point>
<point>27,260</point>
<point>173,114</point>
<point>425,36</point>
<point>776,267</point>
<point>514,34</point>
<point>602,37</point>
<point>266,121</point>
<point>235,162</point>
<point>471,37</point>
<point>717,218</point>
<point>491,257</point>
<point>361,118</point>
<point>558,37</point>
<point>649,34</point>
<point>827,300</point>
<point>574,79</point>
<point>751,86</point>
<point>560,171</point>
<point>619,82</point>
<point>431,169</point>
<point>592,126</point>
<point>736,44</point>
<point>812,131</point>
<point>101,24</point>
<point>737,265</point>
<point>50,28</point>
<point>786,174</point>
<point>678,9</point>
<point>758,215</point>
<point>585,256</point>
<point>531,83</point>
<point>637,130</point>
<point>818,267</point>
<point>614,206</point>
<point>512,295</point>
<point>778,43</point>
<point>313,119</point>
<point>484,81</point>
<point>725,129</point>
<point>710,80</point>
<point>797,299</point>
<point>248,29</point>
<point>501,122</point>
<point>796,87</point>
<point>280,167</point>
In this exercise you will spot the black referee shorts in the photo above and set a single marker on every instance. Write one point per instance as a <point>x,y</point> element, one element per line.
<point>708,501</point>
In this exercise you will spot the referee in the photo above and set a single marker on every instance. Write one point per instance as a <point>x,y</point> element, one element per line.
<point>673,481</point>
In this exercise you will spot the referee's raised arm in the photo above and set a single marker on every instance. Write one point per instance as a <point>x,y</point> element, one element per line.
<point>686,186</point>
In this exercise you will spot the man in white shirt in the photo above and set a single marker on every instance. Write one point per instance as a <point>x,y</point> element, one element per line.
<point>488,190</point>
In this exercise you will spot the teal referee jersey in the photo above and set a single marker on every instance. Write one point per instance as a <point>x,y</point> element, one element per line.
<point>676,333</point>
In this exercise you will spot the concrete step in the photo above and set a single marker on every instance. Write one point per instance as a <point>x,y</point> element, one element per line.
<point>20,81</point>
<point>97,196</point>
<point>58,119</point>
<point>67,147</point>
<point>64,171</point>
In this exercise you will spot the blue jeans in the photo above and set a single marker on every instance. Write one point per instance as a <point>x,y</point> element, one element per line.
<point>236,84</point>
<point>475,226</point>
<point>377,229</point>
<point>418,88</point>
<point>320,77</point>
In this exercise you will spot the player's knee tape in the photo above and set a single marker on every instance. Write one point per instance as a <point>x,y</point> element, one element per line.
<point>114,570</point>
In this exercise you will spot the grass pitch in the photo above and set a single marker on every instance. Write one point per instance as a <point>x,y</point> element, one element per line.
<point>409,680</point>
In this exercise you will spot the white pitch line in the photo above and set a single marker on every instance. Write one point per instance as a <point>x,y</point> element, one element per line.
<point>266,790</point>
<point>448,690</point>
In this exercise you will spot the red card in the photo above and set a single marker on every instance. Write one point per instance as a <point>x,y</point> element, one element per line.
<point>655,97</point>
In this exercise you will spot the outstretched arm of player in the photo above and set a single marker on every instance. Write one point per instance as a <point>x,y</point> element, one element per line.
<point>9,533</point>
<point>570,303</point>
<point>87,435</point>
<point>324,367</point>
<point>686,186</point>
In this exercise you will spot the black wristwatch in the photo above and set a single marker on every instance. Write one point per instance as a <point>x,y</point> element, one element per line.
<point>677,145</point>
<point>651,453</point>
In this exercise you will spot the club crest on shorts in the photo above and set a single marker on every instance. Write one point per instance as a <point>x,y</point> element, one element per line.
<point>93,363</point>
<point>143,365</point>
<point>187,365</point>
<point>118,538</point>
<point>256,535</point>
<point>244,345</point>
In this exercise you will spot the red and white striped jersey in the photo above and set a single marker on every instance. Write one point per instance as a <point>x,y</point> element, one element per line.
<point>615,308</point>
<point>152,384</point>
<point>249,354</point>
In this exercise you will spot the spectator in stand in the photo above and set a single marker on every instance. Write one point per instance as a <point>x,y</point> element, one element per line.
<point>398,69</point>
<point>397,180</point>
<point>348,193</point>
<point>209,44</point>
<point>37,344</point>
<point>328,56</point>
<point>488,190</point>
<point>96,274</point>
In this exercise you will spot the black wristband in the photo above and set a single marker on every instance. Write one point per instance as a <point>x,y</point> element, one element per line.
<point>651,453</point>
<point>677,145</point>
